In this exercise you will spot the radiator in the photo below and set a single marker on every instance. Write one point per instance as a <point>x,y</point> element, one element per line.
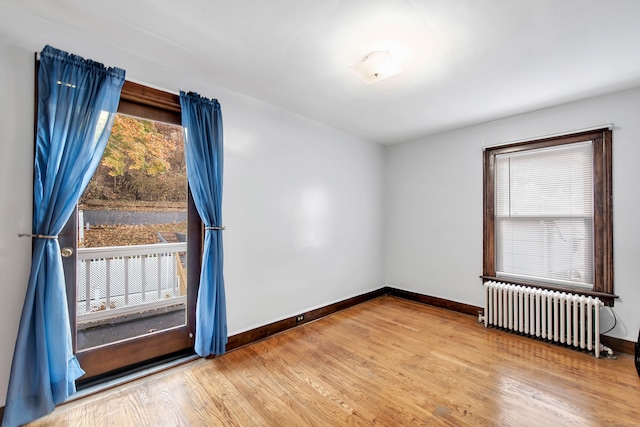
<point>559,317</point>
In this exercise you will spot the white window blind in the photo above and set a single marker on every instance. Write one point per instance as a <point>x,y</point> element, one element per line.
<point>544,214</point>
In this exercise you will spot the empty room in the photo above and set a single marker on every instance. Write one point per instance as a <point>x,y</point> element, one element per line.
<point>347,212</point>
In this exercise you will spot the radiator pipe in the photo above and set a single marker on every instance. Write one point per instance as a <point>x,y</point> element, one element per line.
<point>608,351</point>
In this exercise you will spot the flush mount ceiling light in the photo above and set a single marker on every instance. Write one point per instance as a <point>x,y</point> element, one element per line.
<point>376,66</point>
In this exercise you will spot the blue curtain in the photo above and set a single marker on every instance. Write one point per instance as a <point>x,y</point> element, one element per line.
<point>202,123</point>
<point>77,101</point>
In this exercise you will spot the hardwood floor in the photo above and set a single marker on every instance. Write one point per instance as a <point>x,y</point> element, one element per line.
<point>387,362</point>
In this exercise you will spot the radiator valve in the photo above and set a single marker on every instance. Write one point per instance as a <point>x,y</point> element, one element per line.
<point>480,316</point>
<point>605,349</point>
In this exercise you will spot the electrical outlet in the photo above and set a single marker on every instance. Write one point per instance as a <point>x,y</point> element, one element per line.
<point>300,318</point>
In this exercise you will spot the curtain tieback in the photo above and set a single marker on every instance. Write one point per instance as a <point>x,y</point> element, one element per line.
<point>37,236</point>
<point>215,228</point>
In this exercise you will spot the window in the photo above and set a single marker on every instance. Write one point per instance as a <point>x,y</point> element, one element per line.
<point>547,213</point>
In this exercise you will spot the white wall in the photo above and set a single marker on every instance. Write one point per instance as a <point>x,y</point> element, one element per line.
<point>434,202</point>
<point>16,177</point>
<point>302,201</point>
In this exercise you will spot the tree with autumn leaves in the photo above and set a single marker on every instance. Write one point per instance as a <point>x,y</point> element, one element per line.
<point>143,160</point>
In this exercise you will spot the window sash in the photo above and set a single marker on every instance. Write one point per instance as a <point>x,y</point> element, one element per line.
<point>557,250</point>
<point>544,215</point>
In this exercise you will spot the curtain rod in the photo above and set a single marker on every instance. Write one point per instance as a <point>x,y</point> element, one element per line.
<point>553,135</point>
<point>173,92</point>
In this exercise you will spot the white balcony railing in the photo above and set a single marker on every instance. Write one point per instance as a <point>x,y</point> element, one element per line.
<point>119,280</point>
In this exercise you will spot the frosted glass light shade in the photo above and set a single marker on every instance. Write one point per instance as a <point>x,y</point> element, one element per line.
<point>376,66</point>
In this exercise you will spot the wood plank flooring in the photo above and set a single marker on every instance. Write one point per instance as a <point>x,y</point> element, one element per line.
<point>388,362</point>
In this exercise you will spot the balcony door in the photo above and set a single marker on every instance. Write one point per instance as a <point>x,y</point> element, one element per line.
<point>132,250</point>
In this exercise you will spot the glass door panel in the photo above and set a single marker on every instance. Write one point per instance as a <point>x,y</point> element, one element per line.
<point>132,236</point>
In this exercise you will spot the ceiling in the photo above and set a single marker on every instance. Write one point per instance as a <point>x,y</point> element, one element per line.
<point>464,61</point>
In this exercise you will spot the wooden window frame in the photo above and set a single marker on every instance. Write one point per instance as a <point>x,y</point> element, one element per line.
<point>602,215</point>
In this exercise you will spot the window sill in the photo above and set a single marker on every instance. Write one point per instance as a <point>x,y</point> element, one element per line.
<point>608,299</point>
